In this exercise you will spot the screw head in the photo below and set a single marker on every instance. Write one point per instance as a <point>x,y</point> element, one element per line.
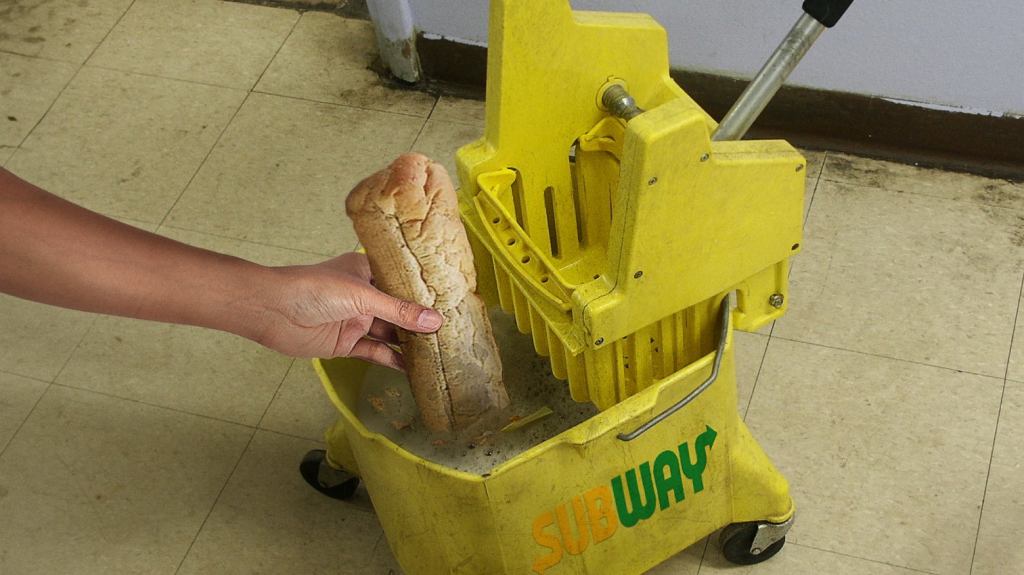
<point>599,341</point>
<point>638,275</point>
<point>652,181</point>
<point>705,157</point>
<point>756,551</point>
<point>776,300</point>
<point>800,167</point>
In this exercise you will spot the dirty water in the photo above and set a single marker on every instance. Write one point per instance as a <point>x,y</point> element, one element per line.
<point>386,406</point>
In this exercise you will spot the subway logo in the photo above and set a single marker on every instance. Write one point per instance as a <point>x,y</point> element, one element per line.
<point>595,515</point>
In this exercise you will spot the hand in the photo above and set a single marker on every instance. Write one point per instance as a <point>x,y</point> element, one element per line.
<point>331,309</point>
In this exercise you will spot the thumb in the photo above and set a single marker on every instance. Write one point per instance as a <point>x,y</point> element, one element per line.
<point>405,314</point>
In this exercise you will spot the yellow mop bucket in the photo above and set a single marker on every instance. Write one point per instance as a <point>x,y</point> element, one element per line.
<point>587,501</point>
<point>613,219</point>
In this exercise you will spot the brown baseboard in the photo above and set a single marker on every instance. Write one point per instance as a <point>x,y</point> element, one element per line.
<point>346,8</point>
<point>807,117</point>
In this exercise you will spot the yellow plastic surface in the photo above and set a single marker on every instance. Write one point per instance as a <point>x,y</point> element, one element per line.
<point>601,235</point>
<point>613,244</point>
<point>552,509</point>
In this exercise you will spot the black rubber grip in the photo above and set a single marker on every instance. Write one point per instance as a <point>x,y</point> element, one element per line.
<point>828,12</point>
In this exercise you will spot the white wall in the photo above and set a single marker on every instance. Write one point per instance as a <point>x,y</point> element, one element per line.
<point>944,53</point>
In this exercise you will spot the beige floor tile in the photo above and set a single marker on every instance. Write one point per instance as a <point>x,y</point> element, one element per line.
<point>36,339</point>
<point>221,43</point>
<point>27,88</point>
<point>907,276</point>
<point>123,144</point>
<point>18,395</point>
<point>259,253</point>
<point>999,550</point>
<point>906,178</point>
<point>269,521</point>
<point>452,109</point>
<point>886,459</point>
<point>749,352</point>
<point>67,30</point>
<point>684,563</point>
<point>192,369</point>
<point>196,370</point>
<point>93,484</point>
<point>815,162</point>
<point>281,172</point>
<point>5,153</point>
<point>440,140</point>
<point>301,406</point>
<point>1015,370</point>
<point>798,560</point>
<point>326,58</point>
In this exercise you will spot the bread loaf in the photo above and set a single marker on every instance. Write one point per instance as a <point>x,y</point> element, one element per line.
<point>407,220</point>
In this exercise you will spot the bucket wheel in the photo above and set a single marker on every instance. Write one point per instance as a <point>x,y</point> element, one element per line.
<point>320,475</point>
<point>753,542</point>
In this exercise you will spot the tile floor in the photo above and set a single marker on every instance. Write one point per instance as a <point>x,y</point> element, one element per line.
<point>892,395</point>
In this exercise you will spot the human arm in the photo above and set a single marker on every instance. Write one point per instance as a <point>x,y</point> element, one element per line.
<point>56,252</point>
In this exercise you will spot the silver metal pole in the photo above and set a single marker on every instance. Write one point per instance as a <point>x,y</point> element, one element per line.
<point>768,81</point>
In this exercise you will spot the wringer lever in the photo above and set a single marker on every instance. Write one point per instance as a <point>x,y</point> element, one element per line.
<point>818,15</point>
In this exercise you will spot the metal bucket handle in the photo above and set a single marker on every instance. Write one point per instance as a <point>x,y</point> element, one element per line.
<point>723,336</point>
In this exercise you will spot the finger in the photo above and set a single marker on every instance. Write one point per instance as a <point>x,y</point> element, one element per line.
<point>383,331</point>
<point>404,314</point>
<point>379,353</point>
<point>352,330</point>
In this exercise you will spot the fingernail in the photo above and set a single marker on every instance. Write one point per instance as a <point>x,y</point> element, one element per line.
<point>429,320</point>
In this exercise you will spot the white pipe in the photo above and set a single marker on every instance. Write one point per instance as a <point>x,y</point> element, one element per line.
<point>396,37</point>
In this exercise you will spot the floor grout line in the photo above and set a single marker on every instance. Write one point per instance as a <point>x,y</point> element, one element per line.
<point>340,105</point>
<point>153,405</point>
<point>255,243</point>
<point>703,554</point>
<point>270,62</point>
<point>107,35</point>
<point>227,124</point>
<point>425,121</point>
<point>25,419</point>
<point>280,384</point>
<point>216,500</point>
<point>70,80</point>
<point>881,356</point>
<point>814,190</point>
<point>424,125</point>
<point>161,77</point>
<point>25,376</point>
<point>40,57</point>
<point>851,556</point>
<point>292,435</point>
<point>757,377</point>
<point>995,432</point>
<point>205,159</point>
<point>92,324</point>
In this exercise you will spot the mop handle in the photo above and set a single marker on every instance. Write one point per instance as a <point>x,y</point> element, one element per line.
<point>818,15</point>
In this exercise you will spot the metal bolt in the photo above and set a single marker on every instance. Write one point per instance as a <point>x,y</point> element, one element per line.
<point>800,167</point>
<point>776,299</point>
<point>638,275</point>
<point>705,157</point>
<point>756,550</point>
<point>652,181</point>
<point>599,341</point>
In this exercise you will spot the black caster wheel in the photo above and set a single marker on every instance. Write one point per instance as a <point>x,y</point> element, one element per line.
<point>332,482</point>
<point>737,541</point>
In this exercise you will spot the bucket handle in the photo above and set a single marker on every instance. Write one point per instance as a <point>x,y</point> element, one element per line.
<point>723,336</point>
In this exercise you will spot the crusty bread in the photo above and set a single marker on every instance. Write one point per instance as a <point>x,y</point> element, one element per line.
<point>407,219</point>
